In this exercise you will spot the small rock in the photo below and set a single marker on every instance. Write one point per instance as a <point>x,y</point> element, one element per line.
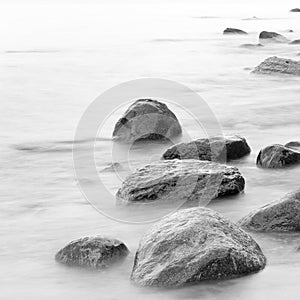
<point>180,180</point>
<point>147,119</point>
<point>268,36</point>
<point>295,10</point>
<point>193,245</point>
<point>276,65</point>
<point>295,42</point>
<point>278,216</point>
<point>92,252</point>
<point>234,31</point>
<point>278,156</point>
<point>217,148</point>
<point>251,46</point>
<point>112,167</point>
<point>294,145</point>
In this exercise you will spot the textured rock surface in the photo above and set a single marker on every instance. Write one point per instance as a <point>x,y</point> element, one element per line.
<point>180,180</point>
<point>268,36</point>
<point>276,65</point>
<point>194,245</point>
<point>278,156</point>
<point>147,119</point>
<point>278,216</point>
<point>93,252</point>
<point>213,149</point>
<point>234,31</point>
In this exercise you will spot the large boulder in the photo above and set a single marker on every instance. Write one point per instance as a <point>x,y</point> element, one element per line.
<point>147,119</point>
<point>176,181</point>
<point>234,31</point>
<point>278,156</point>
<point>92,252</point>
<point>276,65</point>
<point>194,245</point>
<point>217,148</point>
<point>278,216</point>
<point>268,36</point>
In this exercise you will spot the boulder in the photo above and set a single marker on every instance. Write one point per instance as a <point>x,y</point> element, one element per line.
<point>276,65</point>
<point>217,148</point>
<point>177,181</point>
<point>295,42</point>
<point>92,252</point>
<point>147,119</point>
<point>295,10</point>
<point>278,156</point>
<point>194,245</point>
<point>233,31</point>
<point>268,36</point>
<point>278,216</point>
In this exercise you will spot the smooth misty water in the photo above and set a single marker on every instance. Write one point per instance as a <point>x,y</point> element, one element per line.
<point>57,58</point>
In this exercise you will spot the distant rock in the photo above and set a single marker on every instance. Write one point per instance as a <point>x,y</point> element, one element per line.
<point>217,148</point>
<point>176,181</point>
<point>276,65</point>
<point>278,156</point>
<point>295,42</point>
<point>113,167</point>
<point>278,216</point>
<point>147,119</point>
<point>233,31</point>
<point>268,36</point>
<point>251,46</point>
<point>92,252</point>
<point>295,10</point>
<point>194,245</point>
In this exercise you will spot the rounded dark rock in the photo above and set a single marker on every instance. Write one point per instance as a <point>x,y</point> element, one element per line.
<point>234,31</point>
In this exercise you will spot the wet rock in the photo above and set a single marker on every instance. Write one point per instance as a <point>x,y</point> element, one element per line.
<point>147,119</point>
<point>194,245</point>
<point>217,148</point>
<point>295,10</point>
<point>92,252</point>
<point>177,181</point>
<point>251,46</point>
<point>278,216</point>
<point>234,31</point>
<point>268,36</point>
<point>276,65</point>
<point>278,156</point>
<point>295,42</point>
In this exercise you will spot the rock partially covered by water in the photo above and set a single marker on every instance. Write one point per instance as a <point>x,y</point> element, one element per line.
<point>234,31</point>
<point>194,245</point>
<point>268,36</point>
<point>176,181</point>
<point>295,10</point>
<point>147,119</point>
<point>278,216</point>
<point>251,46</point>
<point>276,65</point>
<point>278,156</point>
<point>92,252</point>
<point>294,145</point>
<point>217,148</point>
<point>295,42</point>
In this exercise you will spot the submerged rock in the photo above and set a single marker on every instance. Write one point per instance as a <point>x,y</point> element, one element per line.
<point>295,42</point>
<point>147,119</point>
<point>278,216</point>
<point>180,180</point>
<point>251,46</point>
<point>234,31</point>
<point>278,156</point>
<point>295,10</point>
<point>194,245</point>
<point>93,252</point>
<point>276,65</point>
<point>268,36</point>
<point>217,148</point>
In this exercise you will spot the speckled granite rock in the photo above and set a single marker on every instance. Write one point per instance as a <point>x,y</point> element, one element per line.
<point>93,252</point>
<point>194,245</point>
<point>279,156</point>
<point>234,31</point>
<point>147,119</point>
<point>268,36</point>
<point>214,149</point>
<point>180,180</point>
<point>276,65</point>
<point>278,216</point>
